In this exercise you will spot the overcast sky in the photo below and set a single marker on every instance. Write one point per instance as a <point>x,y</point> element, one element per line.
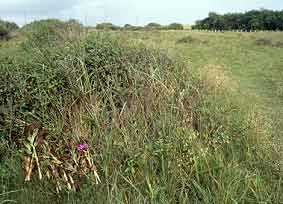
<point>121,12</point>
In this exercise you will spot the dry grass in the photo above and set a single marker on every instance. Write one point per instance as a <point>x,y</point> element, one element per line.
<point>218,77</point>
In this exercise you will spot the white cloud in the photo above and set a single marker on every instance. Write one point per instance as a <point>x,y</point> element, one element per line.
<point>125,11</point>
<point>35,7</point>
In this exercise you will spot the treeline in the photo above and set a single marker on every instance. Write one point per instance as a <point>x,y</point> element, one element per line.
<point>7,27</point>
<point>252,20</point>
<point>55,24</point>
<point>150,26</point>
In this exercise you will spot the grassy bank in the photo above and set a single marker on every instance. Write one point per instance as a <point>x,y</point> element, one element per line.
<point>159,129</point>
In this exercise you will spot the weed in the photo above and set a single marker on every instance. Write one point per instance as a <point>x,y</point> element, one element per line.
<point>190,39</point>
<point>278,44</point>
<point>187,39</point>
<point>264,42</point>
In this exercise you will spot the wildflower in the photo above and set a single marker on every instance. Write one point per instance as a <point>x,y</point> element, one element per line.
<point>82,147</point>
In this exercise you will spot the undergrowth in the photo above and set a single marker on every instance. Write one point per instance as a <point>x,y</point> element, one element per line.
<point>156,133</point>
<point>190,40</point>
<point>264,41</point>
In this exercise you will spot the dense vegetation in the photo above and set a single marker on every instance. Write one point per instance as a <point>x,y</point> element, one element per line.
<point>51,24</point>
<point>152,129</point>
<point>251,20</point>
<point>7,27</point>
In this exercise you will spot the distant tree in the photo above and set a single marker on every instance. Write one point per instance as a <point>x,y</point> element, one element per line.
<point>132,28</point>
<point>6,27</point>
<point>128,26</point>
<point>74,22</point>
<point>252,20</point>
<point>3,32</point>
<point>9,26</point>
<point>153,26</point>
<point>175,26</point>
<point>107,26</point>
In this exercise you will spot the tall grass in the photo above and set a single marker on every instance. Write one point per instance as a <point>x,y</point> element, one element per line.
<point>157,133</point>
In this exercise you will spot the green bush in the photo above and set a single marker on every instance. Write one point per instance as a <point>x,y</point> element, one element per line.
<point>107,26</point>
<point>51,33</point>
<point>128,26</point>
<point>175,26</point>
<point>74,23</point>
<point>6,27</point>
<point>9,26</point>
<point>264,42</point>
<point>38,25</point>
<point>187,39</point>
<point>3,32</point>
<point>132,28</point>
<point>278,44</point>
<point>153,26</point>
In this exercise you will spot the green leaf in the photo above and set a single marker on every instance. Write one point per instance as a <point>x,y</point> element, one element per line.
<point>28,147</point>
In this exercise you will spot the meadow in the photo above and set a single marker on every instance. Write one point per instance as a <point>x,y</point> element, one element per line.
<point>250,61</point>
<point>168,116</point>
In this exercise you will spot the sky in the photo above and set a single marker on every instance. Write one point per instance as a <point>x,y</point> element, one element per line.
<point>120,12</point>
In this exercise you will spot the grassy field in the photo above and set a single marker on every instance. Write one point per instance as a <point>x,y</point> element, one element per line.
<point>255,68</point>
<point>170,116</point>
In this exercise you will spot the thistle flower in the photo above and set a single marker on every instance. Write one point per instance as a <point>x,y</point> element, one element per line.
<point>82,147</point>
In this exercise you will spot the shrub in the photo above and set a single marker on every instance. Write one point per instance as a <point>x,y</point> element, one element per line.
<point>107,26</point>
<point>190,39</point>
<point>278,44</point>
<point>6,27</point>
<point>36,26</point>
<point>132,28</point>
<point>51,33</point>
<point>9,26</point>
<point>3,33</point>
<point>74,23</point>
<point>42,37</point>
<point>264,41</point>
<point>153,26</point>
<point>187,39</point>
<point>128,26</point>
<point>42,87</point>
<point>175,26</point>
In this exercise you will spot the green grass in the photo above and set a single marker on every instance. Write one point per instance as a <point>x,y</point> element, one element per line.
<point>168,120</point>
<point>257,69</point>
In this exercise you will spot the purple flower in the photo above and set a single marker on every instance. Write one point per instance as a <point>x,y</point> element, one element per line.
<point>82,147</point>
